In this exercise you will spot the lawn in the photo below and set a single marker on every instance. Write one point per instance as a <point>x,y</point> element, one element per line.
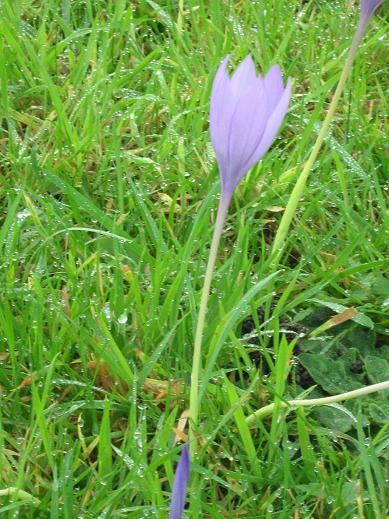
<point>108,194</point>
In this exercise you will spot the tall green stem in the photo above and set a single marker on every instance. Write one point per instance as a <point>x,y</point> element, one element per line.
<point>268,409</point>
<point>194,389</point>
<point>291,206</point>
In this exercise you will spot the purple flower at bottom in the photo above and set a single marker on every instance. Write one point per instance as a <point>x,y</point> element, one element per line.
<point>245,115</point>
<point>180,483</point>
<point>368,7</point>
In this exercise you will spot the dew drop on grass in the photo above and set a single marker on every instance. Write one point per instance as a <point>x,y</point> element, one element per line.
<point>107,311</point>
<point>122,319</point>
<point>22,215</point>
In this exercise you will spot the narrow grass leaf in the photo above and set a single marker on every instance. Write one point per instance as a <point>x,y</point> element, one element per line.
<point>242,426</point>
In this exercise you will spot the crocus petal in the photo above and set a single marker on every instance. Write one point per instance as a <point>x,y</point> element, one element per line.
<point>246,114</point>
<point>247,126</point>
<point>221,110</point>
<point>180,483</point>
<point>274,86</point>
<point>368,7</point>
<point>272,127</point>
<point>243,77</point>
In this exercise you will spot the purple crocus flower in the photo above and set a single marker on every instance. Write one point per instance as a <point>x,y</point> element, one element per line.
<point>368,7</point>
<point>246,113</point>
<point>180,483</point>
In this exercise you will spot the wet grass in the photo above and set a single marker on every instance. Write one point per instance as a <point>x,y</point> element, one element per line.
<point>108,192</point>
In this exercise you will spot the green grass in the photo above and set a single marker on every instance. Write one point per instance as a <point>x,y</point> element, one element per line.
<point>108,192</point>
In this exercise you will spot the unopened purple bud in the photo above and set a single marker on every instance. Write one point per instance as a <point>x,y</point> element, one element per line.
<point>368,7</point>
<point>246,113</point>
<point>179,485</point>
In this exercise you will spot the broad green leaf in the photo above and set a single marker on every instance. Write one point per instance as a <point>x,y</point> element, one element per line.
<point>330,374</point>
<point>337,418</point>
<point>377,369</point>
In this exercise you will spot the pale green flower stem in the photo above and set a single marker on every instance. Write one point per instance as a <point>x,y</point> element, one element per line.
<point>196,365</point>
<point>267,410</point>
<point>17,493</point>
<point>288,215</point>
<point>294,198</point>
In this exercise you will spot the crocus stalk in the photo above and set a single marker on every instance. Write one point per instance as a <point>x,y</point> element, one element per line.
<point>267,410</point>
<point>245,115</point>
<point>180,484</point>
<point>367,9</point>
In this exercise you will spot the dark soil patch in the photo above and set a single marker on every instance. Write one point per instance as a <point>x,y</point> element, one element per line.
<point>291,331</point>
